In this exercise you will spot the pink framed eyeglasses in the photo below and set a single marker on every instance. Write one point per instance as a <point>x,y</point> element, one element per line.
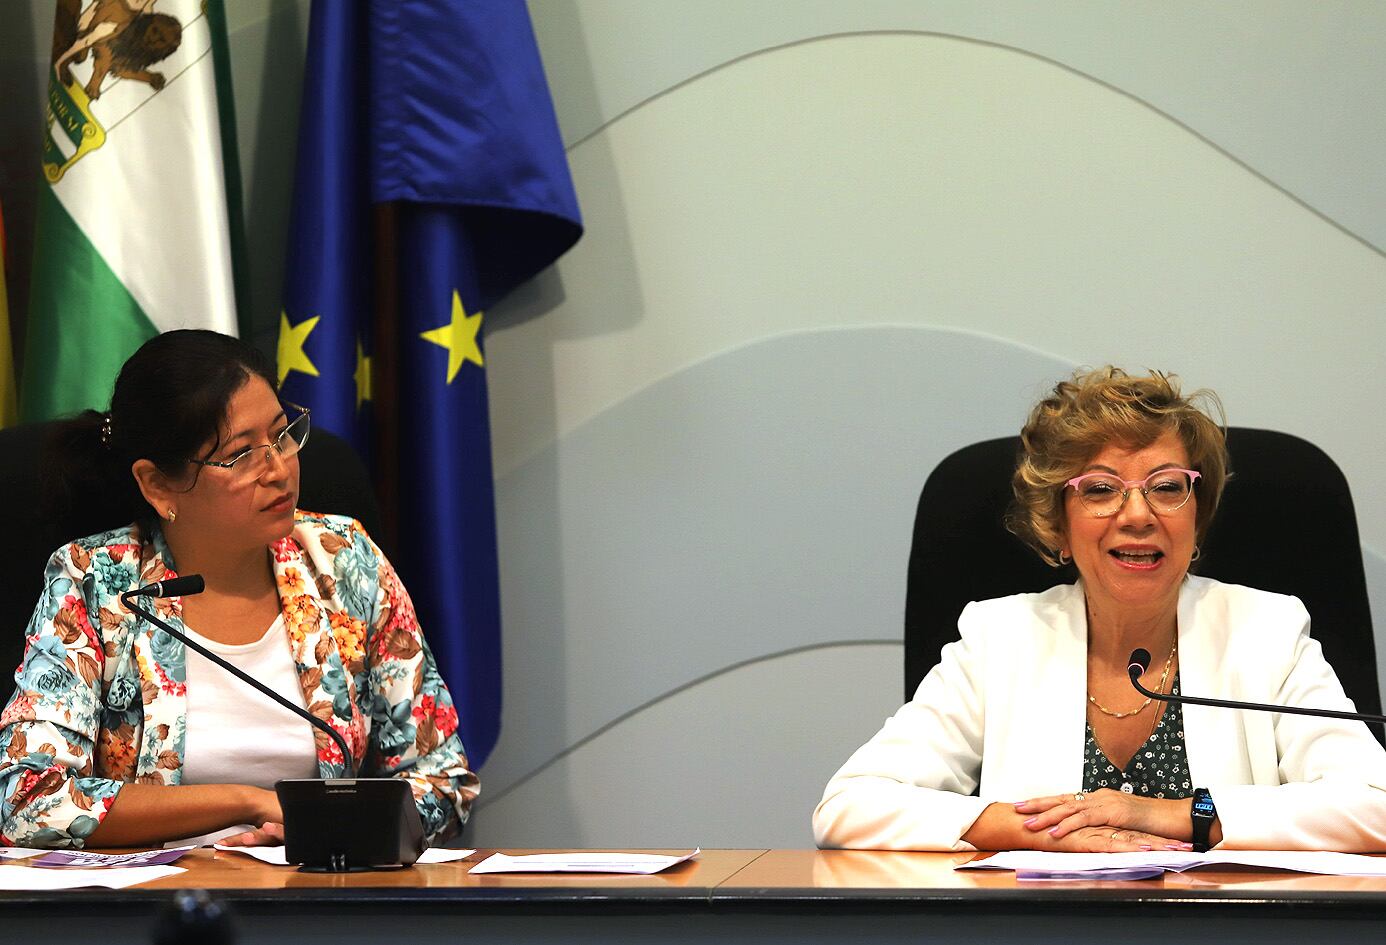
<point>1165,490</point>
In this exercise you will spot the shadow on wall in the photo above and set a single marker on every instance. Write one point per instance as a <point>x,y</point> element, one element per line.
<point>270,52</point>
<point>542,540</point>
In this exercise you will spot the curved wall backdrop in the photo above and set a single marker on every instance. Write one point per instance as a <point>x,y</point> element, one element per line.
<point>812,270</point>
<point>1292,89</point>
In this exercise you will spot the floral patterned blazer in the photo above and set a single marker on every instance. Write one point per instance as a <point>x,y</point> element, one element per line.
<point>100,696</point>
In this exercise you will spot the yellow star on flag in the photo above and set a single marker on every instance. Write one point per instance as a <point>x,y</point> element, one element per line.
<point>459,337</point>
<point>291,356</point>
<point>362,375</point>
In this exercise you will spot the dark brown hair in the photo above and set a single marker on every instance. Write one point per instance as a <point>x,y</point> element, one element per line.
<point>170,399</point>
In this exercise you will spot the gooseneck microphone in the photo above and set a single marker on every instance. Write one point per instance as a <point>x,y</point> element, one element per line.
<point>191,584</point>
<point>1140,662</point>
<point>184,586</point>
<point>331,825</point>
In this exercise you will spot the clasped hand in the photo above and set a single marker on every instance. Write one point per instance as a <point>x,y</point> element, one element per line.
<point>1108,821</point>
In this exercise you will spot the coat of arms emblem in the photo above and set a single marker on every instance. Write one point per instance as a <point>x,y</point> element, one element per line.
<point>107,40</point>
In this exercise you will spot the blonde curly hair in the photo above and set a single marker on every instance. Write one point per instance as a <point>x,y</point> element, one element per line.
<point>1097,408</point>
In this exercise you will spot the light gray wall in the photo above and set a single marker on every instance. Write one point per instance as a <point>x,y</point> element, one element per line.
<point>826,245</point>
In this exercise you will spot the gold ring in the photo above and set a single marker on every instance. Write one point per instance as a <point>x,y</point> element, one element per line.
<point>1114,834</point>
<point>1078,796</point>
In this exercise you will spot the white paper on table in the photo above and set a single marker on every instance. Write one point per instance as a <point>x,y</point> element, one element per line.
<point>113,877</point>
<point>443,855</point>
<point>1313,861</point>
<point>271,855</point>
<point>586,862</point>
<point>18,853</point>
<point>275,855</point>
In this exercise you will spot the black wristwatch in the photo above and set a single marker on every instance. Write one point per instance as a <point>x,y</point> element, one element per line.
<point>1204,813</point>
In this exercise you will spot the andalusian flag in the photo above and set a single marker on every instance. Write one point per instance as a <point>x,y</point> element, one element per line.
<point>9,402</point>
<point>132,236</point>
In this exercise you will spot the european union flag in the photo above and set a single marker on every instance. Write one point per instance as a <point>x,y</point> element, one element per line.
<point>431,181</point>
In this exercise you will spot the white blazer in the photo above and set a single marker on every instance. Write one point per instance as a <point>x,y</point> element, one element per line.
<point>1004,713</point>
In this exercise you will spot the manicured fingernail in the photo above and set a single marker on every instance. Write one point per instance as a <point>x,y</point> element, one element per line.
<point>1032,821</point>
<point>1145,846</point>
<point>1020,805</point>
<point>1178,846</point>
<point>1054,831</point>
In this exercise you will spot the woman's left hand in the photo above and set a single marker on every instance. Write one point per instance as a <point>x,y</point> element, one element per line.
<point>1061,814</point>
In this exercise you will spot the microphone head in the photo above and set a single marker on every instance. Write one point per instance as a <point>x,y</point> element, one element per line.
<point>1138,664</point>
<point>182,586</point>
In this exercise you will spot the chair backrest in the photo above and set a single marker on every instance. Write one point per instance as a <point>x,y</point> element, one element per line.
<point>1286,524</point>
<point>332,478</point>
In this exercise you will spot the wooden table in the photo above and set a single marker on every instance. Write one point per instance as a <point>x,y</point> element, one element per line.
<point>724,896</point>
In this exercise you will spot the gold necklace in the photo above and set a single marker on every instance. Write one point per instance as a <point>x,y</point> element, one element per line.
<point>1160,689</point>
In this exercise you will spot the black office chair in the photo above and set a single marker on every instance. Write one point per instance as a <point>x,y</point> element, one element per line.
<point>332,479</point>
<point>1286,524</point>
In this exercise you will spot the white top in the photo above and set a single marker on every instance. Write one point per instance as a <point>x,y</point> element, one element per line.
<point>1003,714</point>
<point>236,735</point>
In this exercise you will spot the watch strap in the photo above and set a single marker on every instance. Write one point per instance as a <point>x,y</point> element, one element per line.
<point>1203,813</point>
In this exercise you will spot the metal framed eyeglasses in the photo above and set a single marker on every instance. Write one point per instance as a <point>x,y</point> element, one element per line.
<point>1165,491</point>
<point>251,463</point>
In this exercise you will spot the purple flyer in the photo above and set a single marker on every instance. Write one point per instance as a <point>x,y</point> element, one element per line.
<point>81,859</point>
<point>1113,873</point>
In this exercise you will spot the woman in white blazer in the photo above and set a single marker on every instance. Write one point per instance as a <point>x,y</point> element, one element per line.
<point>1032,709</point>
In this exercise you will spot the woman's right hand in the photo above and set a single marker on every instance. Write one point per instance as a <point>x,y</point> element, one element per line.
<point>269,834</point>
<point>265,811</point>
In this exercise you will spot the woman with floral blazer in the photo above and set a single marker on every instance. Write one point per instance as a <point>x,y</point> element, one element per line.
<point>100,696</point>
<point>201,453</point>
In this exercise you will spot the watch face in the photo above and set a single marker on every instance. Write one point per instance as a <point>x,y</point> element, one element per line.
<point>1204,808</point>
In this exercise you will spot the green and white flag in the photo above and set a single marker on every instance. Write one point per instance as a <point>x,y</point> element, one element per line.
<point>133,236</point>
